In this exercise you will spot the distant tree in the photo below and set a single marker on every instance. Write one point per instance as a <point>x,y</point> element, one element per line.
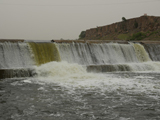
<point>124,19</point>
<point>82,35</point>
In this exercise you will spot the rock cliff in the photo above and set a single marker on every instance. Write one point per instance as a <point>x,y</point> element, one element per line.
<point>141,28</point>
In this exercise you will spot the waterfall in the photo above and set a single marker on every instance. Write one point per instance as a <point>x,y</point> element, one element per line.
<point>141,53</point>
<point>108,57</point>
<point>20,57</point>
<point>15,55</point>
<point>99,54</point>
<point>153,50</point>
<point>44,52</point>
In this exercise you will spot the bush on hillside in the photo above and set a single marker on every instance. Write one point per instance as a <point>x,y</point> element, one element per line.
<point>82,35</point>
<point>138,36</point>
<point>124,19</point>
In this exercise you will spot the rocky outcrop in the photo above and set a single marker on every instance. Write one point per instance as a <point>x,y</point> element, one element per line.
<point>118,31</point>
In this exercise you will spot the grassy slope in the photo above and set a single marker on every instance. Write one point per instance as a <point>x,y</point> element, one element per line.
<point>150,35</point>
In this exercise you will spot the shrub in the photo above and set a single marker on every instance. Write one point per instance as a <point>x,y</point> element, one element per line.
<point>124,19</point>
<point>138,36</point>
<point>82,35</point>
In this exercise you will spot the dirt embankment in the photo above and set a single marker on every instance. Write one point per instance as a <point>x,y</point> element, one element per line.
<point>141,28</point>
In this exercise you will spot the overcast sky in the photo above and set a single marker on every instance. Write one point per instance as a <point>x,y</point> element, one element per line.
<point>56,19</point>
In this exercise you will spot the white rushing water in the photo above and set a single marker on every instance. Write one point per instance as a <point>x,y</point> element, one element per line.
<point>15,55</point>
<point>74,76</point>
<point>153,50</point>
<point>107,53</point>
<point>108,57</point>
<point>64,90</point>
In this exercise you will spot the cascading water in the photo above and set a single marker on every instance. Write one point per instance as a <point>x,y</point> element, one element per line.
<point>141,53</point>
<point>97,54</point>
<point>61,88</point>
<point>97,57</point>
<point>44,52</point>
<point>18,58</point>
<point>105,57</point>
<point>108,57</point>
<point>153,50</point>
<point>15,55</point>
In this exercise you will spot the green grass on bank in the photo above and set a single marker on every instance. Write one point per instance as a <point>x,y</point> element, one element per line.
<point>123,36</point>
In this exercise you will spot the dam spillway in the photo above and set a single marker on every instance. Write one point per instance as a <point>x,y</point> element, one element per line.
<point>83,80</point>
<point>96,57</point>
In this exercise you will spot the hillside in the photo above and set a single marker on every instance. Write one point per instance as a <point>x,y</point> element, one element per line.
<point>141,28</point>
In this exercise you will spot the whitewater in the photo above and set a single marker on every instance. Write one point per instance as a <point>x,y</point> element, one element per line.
<point>80,81</point>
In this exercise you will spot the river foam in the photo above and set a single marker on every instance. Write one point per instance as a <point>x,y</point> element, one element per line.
<point>74,76</point>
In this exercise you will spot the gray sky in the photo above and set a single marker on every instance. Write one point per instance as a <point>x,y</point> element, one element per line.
<point>56,19</point>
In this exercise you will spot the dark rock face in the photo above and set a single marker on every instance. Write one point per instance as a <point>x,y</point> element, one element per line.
<point>11,73</point>
<point>130,26</point>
